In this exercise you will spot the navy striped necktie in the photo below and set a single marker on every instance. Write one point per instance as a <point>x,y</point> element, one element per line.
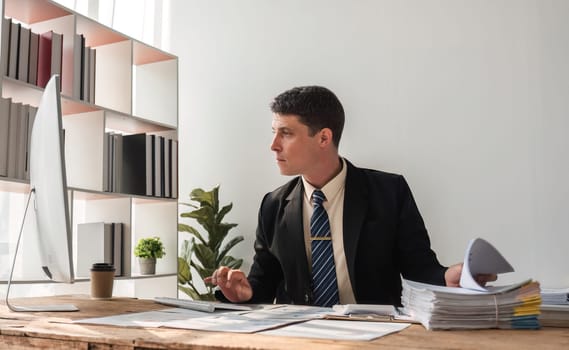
<point>324,284</point>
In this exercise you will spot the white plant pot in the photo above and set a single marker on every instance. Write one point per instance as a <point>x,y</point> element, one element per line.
<point>147,266</point>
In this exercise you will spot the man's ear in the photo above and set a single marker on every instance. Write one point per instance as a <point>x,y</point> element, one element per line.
<point>325,136</point>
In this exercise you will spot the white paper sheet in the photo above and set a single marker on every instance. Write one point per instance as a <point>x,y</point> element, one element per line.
<point>338,330</point>
<point>266,317</point>
<point>481,258</point>
<point>350,309</point>
<point>228,322</point>
<point>145,319</point>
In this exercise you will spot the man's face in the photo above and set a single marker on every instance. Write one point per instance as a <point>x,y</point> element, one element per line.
<point>295,150</point>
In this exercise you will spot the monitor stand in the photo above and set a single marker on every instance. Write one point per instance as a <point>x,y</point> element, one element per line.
<point>33,308</point>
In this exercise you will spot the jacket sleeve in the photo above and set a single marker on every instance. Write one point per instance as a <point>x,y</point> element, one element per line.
<point>417,260</point>
<point>266,273</point>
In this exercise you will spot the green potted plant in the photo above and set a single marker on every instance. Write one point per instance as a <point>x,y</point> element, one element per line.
<point>204,254</point>
<point>148,250</point>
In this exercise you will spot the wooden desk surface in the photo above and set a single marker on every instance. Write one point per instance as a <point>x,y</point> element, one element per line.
<point>56,330</point>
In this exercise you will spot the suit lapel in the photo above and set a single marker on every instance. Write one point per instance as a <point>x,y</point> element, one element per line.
<point>355,207</point>
<point>292,217</point>
<point>294,232</point>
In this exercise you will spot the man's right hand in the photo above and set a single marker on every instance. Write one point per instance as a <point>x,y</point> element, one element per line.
<point>233,284</point>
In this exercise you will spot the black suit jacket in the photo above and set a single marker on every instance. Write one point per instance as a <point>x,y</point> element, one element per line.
<point>384,238</point>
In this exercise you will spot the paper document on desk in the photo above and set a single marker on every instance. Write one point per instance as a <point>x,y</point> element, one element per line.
<point>481,258</point>
<point>514,306</point>
<point>338,330</point>
<point>555,296</point>
<point>287,312</point>
<point>369,312</point>
<point>437,307</point>
<point>554,315</point>
<point>350,309</point>
<point>261,318</point>
<point>155,318</point>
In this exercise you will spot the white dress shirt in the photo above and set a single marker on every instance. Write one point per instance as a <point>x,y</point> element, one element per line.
<point>334,205</point>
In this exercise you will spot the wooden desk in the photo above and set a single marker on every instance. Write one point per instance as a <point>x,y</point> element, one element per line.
<point>55,330</point>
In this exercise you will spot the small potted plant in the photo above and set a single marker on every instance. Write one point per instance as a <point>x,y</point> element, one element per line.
<point>148,250</point>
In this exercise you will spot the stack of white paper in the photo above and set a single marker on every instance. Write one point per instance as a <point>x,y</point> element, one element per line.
<point>555,307</point>
<point>554,315</point>
<point>474,306</point>
<point>436,307</point>
<point>555,296</point>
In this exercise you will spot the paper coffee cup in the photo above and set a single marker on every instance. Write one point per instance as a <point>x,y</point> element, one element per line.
<point>102,278</point>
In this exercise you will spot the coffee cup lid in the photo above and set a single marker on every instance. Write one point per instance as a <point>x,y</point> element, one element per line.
<point>102,267</point>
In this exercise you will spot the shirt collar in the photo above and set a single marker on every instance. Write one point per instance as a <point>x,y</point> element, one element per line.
<point>332,188</point>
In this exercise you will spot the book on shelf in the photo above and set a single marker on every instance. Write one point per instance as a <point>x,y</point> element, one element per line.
<point>22,141</point>
<point>4,134</point>
<point>57,55</point>
<point>20,46</point>
<point>514,306</point>
<point>163,143</point>
<point>5,45</point>
<point>117,163</point>
<point>174,172</point>
<point>49,56</point>
<point>150,164</point>
<point>24,54</point>
<point>167,167</point>
<point>149,167</point>
<point>16,123</point>
<point>31,119</point>
<point>100,242</point>
<point>117,247</point>
<point>84,71</point>
<point>92,70</point>
<point>106,151</point>
<point>158,165</point>
<point>78,44</point>
<point>94,245</point>
<point>86,57</point>
<point>133,175</point>
<point>14,47</point>
<point>44,58</point>
<point>140,164</point>
<point>33,59</point>
<point>13,139</point>
<point>126,251</point>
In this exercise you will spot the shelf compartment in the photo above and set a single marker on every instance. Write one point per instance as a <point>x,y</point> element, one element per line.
<point>14,185</point>
<point>32,11</point>
<point>155,92</point>
<point>151,218</point>
<point>31,94</point>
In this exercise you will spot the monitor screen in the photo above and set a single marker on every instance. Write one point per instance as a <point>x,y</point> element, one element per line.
<point>48,190</point>
<point>49,186</point>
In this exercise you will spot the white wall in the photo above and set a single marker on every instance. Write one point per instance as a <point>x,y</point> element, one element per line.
<point>467,99</point>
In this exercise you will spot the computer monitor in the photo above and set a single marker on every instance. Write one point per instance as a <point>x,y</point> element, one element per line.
<point>48,190</point>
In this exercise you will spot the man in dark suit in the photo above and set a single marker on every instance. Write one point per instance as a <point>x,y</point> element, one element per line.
<point>376,231</point>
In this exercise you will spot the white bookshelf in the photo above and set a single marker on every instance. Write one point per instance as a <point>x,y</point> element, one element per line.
<point>136,91</point>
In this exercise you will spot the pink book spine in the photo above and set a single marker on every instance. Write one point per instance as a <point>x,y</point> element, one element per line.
<point>44,59</point>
